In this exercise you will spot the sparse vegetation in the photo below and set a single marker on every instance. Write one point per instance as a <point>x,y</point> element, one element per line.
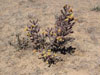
<point>97,8</point>
<point>19,59</point>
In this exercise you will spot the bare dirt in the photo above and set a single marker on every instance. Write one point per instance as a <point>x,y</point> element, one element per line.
<point>14,16</point>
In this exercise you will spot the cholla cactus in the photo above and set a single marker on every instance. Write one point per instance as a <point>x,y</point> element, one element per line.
<point>65,21</point>
<point>33,32</point>
<point>52,40</point>
<point>63,27</point>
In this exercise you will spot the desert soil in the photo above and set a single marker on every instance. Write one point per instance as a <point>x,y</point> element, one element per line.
<point>15,15</point>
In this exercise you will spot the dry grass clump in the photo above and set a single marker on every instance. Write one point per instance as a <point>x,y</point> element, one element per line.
<point>19,43</point>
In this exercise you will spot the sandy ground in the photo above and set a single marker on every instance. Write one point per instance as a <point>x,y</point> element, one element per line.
<point>14,16</point>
